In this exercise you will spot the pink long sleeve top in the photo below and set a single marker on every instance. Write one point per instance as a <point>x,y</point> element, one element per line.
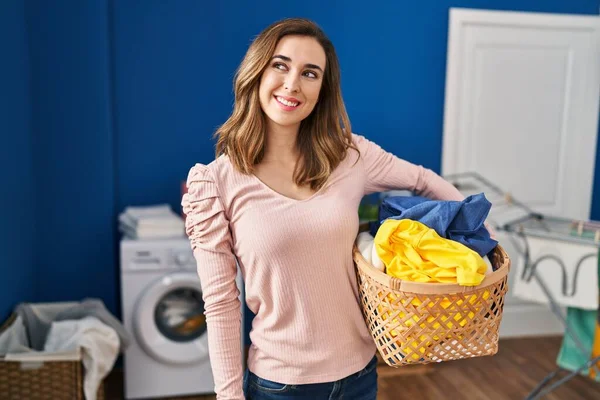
<point>296,260</point>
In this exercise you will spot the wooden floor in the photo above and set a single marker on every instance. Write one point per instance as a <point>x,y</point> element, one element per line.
<point>511,374</point>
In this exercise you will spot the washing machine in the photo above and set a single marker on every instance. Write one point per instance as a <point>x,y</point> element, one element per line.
<point>164,313</point>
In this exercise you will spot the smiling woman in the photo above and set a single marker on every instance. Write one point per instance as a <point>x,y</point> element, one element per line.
<point>288,112</point>
<point>290,86</point>
<point>281,199</point>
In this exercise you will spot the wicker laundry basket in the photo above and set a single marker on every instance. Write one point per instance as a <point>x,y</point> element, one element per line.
<point>420,323</point>
<point>50,379</point>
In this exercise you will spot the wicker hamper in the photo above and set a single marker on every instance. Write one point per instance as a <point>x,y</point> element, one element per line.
<point>48,377</point>
<point>420,323</point>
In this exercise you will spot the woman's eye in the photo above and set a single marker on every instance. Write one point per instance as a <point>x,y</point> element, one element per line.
<point>280,66</point>
<point>310,74</point>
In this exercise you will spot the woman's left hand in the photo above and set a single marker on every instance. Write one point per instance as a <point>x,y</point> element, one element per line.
<point>491,231</point>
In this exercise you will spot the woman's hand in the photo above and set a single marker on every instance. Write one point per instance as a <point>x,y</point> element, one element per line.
<point>491,231</point>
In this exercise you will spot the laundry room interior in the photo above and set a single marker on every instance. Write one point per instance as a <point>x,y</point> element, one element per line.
<point>108,104</point>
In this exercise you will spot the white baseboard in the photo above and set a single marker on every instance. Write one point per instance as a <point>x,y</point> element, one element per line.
<point>522,320</point>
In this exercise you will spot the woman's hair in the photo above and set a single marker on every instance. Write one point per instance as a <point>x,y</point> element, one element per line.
<point>324,136</point>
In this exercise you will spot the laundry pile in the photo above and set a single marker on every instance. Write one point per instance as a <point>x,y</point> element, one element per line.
<point>151,222</point>
<point>59,328</point>
<point>430,241</point>
<point>422,240</point>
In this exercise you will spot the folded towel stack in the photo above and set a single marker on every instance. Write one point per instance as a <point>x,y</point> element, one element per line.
<point>151,222</point>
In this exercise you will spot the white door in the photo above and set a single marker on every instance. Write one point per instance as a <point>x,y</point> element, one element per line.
<point>521,109</point>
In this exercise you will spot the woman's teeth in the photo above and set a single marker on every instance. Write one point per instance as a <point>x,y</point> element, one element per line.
<point>286,103</point>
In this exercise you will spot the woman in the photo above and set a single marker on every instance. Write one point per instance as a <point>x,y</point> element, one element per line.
<point>282,199</point>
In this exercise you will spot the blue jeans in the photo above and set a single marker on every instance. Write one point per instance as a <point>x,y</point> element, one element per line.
<point>361,385</point>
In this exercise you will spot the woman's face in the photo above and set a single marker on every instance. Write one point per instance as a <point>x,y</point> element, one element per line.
<point>290,85</point>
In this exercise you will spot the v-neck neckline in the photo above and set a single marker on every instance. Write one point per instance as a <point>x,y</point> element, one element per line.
<point>287,198</point>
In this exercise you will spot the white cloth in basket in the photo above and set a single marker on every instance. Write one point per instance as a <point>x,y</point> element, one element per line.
<point>365,244</point>
<point>99,344</point>
<point>14,339</point>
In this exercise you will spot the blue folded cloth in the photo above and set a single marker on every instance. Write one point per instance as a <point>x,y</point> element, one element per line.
<point>461,221</point>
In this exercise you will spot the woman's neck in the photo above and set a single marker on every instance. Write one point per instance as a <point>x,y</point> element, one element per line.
<point>281,145</point>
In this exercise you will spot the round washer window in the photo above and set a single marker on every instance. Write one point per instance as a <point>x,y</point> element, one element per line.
<point>179,315</point>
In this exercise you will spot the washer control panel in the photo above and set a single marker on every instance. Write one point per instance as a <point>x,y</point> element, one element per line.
<point>155,255</point>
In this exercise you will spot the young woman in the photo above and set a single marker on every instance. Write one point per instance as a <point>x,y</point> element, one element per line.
<point>282,200</point>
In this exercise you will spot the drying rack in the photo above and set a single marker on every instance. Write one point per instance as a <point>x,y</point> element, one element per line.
<point>521,223</point>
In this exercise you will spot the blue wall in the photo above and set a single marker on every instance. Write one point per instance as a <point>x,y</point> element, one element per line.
<point>73,150</point>
<point>174,69</point>
<point>17,206</point>
<point>126,96</point>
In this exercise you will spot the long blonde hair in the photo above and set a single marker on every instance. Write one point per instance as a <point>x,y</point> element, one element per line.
<point>324,136</point>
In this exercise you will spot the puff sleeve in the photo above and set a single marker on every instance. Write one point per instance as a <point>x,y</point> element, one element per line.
<point>208,230</point>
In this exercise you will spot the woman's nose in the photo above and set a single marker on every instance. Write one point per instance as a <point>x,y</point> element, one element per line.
<point>291,83</point>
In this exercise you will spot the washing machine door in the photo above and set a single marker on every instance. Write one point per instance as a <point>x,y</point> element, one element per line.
<point>169,322</point>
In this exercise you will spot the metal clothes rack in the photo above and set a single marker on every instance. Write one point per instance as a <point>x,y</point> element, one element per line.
<point>520,222</point>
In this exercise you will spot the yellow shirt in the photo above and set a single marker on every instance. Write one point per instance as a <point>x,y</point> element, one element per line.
<point>414,252</point>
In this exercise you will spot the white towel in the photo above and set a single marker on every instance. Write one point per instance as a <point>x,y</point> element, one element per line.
<point>490,268</point>
<point>14,338</point>
<point>162,221</point>
<point>364,242</point>
<point>375,260</point>
<point>159,216</point>
<point>151,233</point>
<point>148,222</point>
<point>98,341</point>
<point>366,247</point>
<point>138,212</point>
